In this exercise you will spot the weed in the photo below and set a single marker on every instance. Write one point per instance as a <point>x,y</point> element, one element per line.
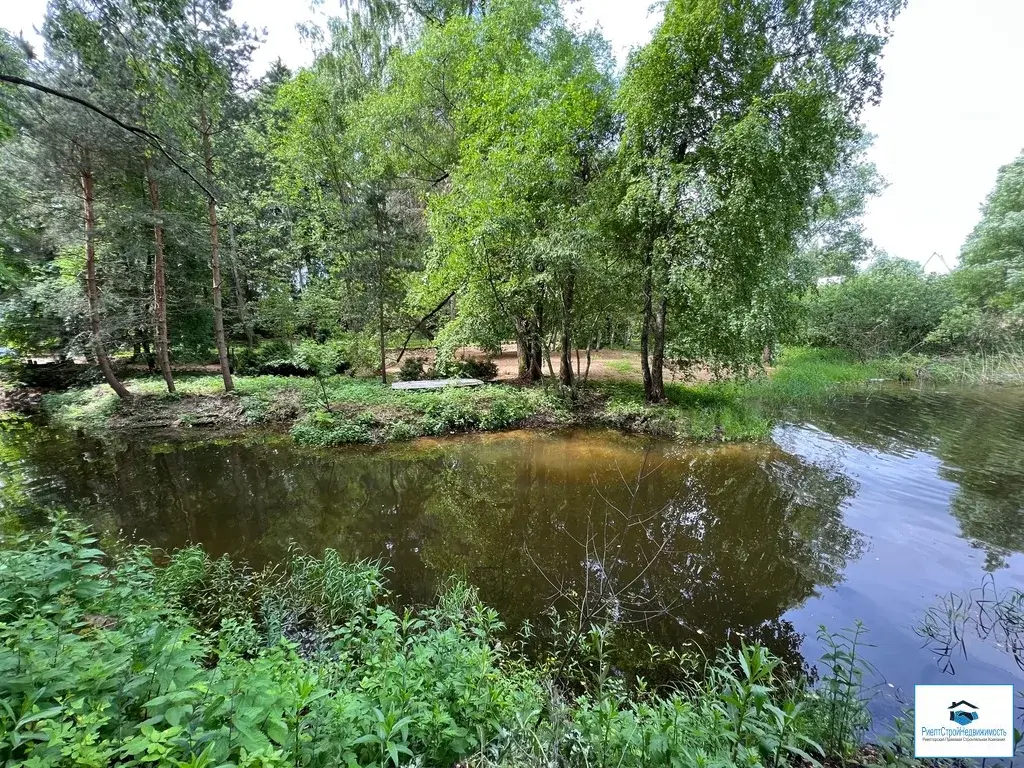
<point>115,660</point>
<point>366,412</point>
<point>840,711</point>
<point>324,430</point>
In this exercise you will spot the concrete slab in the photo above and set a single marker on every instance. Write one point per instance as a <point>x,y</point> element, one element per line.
<point>436,384</point>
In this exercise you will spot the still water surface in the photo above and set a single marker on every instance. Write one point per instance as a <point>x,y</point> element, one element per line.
<point>868,508</point>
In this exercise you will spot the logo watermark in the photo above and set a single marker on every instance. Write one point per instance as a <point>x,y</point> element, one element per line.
<point>963,721</point>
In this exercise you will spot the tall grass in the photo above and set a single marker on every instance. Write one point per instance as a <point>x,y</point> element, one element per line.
<point>999,368</point>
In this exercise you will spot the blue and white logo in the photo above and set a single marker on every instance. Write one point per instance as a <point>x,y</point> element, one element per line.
<point>963,712</point>
<point>978,722</point>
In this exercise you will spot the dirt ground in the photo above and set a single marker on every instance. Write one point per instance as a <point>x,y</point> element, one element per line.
<point>605,364</point>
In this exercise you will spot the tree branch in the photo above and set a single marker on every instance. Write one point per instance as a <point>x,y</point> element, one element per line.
<point>148,136</point>
<point>436,309</point>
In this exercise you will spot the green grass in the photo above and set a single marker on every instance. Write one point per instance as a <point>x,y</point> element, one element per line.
<point>364,411</point>
<point>109,658</point>
<point>997,368</point>
<point>736,410</point>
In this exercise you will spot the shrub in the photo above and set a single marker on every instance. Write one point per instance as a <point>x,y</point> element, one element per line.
<point>325,430</point>
<point>114,660</point>
<point>250,360</point>
<point>964,329</point>
<point>128,665</point>
<point>52,376</point>
<point>285,367</point>
<point>400,431</point>
<point>465,368</point>
<point>485,370</point>
<point>413,369</point>
<point>306,359</point>
<point>890,308</point>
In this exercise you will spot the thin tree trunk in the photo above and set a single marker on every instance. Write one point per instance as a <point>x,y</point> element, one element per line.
<point>767,354</point>
<point>586,372</point>
<point>243,314</point>
<point>380,300</point>
<point>218,307</point>
<point>163,357</point>
<point>92,289</point>
<point>565,362</point>
<point>537,344</point>
<point>383,347</point>
<point>645,330</point>
<point>658,359</point>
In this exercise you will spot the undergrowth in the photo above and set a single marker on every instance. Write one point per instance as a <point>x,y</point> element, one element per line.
<point>113,659</point>
<point>335,410</point>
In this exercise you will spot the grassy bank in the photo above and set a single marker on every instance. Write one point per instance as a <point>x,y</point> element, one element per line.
<point>111,659</point>
<point>343,410</point>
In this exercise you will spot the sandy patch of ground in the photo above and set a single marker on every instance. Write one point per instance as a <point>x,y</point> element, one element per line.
<point>605,364</point>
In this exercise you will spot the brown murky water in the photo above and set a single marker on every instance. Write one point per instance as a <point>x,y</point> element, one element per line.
<point>868,508</point>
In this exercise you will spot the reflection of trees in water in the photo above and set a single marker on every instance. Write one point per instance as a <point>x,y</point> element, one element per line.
<point>741,534</point>
<point>737,544</point>
<point>978,436</point>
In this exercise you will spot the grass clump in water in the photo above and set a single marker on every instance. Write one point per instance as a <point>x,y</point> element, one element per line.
<point>113,659</point>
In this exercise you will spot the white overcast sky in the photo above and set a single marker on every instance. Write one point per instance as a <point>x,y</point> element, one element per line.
<point>951,115</point>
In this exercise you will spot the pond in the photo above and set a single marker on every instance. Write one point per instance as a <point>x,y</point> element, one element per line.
<point>870,507</point>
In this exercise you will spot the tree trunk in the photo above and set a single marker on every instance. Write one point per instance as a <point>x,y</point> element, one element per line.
<point>645,332</point>
<point>163,357</point>
<point>565,373</point>
<point>658,359</point>
<point>243,314</point>
<point>536,345</point>
<point>767,356</point>
<point>92,289</point>
<point>218,307</point>
<point>380,297</point>
<point>522,350</point>
<point>586,372</point>
<point>383,347</point>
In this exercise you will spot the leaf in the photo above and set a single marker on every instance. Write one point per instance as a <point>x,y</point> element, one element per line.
<point>173,715</point>
<point>802,754</point>
<point>46,714</point>
<point>277,731</point>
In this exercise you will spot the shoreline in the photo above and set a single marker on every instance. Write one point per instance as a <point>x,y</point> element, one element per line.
<point>347,410</point>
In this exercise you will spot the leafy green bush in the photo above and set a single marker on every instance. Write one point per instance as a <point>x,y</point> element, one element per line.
<point>889,309</point>
<point>413,369</point>
<point>465,368</point>
<point>115,660</point>
<point>494,407</point>
<point>123,664</point>
<point>400,431</point>
<point>972,330</point>
<point>325,430</point>
<point>484,370</point>
<point>249,360</point>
